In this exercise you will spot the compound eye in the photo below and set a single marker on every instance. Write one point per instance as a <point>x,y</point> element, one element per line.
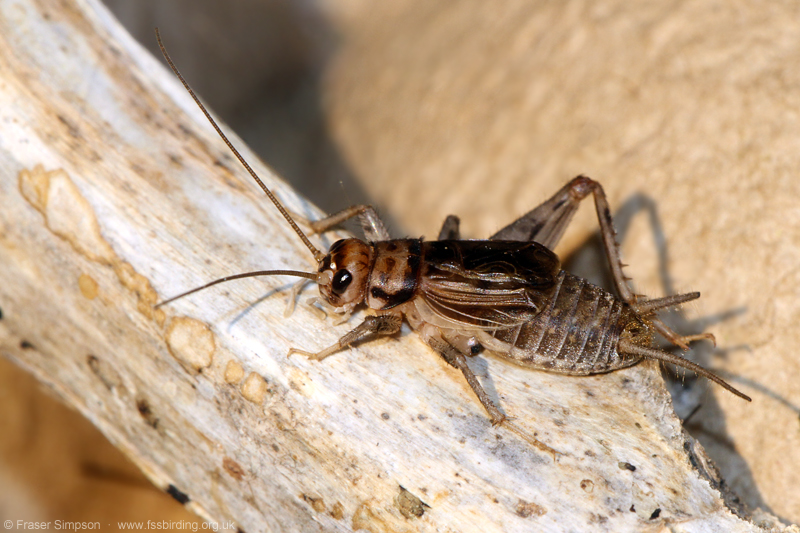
<point>341,280</point>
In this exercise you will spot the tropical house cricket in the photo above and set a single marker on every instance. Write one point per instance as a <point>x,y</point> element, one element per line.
<point>507,294</point>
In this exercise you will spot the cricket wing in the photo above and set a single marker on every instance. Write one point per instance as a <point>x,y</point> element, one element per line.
<point>487,284</point>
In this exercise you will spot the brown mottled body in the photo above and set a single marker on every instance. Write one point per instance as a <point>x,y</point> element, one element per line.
<point>507,293</point>
<point>577,333</point>
<point>561,323</point>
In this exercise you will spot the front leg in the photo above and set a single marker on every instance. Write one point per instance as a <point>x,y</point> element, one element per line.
<point>385,324</point>
<point>371,223</point>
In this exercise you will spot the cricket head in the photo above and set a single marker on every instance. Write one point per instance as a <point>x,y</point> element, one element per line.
<point>343,273</point>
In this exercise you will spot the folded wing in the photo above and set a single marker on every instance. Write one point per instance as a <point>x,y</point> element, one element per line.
<point>487,284</point>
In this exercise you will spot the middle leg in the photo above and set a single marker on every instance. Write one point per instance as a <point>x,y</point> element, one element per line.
<point>457,360</point>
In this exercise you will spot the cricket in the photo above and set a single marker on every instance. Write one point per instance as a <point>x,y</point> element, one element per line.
<point>506,295</point>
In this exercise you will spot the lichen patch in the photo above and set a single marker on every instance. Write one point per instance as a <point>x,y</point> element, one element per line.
<point>191,342</point>
<point>35,186</point>
<point>233,372</point>
<point>69,215</point>
<point>254,388</point>
<point>146,295</point>
<point>372,517</point>
<point>528,509</point>
<point>66,212</point>
<point>88,286</point>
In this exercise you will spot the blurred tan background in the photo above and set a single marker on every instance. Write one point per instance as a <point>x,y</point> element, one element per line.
<point>686,113</point>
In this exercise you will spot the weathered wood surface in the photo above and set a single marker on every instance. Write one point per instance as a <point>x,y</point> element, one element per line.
<point>116,193</point>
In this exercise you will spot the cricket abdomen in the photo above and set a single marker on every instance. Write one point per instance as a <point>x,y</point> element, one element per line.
<point>577,333</point>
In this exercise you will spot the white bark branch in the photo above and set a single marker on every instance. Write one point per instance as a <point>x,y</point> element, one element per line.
<point>116,194</point>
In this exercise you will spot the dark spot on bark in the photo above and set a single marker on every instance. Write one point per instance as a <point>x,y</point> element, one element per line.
<point>179,496</point>
<point>655,514</point>
<point>385,416</point>
<point>318,504</point>
<point>143,406</point>
<point>233,468</point>
<point>526,509</point>
<point>25,345</point>
<point>72,129</point>
<point>409,505</point>
<point>337,511</point>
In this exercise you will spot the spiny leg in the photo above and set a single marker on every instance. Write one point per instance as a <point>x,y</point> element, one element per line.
<point>609,238</point>
<point>629,347</point>
<point>681,341</point>
<point>645,307</point>
<point>456,359</point>
<point>649,307</point>
<point>450,229</point>
<point>546,223</point>
<point>372,225</point>
<point>386,324</point>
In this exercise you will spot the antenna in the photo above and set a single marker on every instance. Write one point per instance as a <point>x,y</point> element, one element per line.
<point>299,274</point>
<point>318,256</point>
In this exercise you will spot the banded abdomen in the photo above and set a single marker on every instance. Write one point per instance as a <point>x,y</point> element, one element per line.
<point>577,333</point>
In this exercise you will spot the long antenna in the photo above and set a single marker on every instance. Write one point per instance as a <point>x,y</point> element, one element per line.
<point>307,275</point>
<point>318,256</point>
